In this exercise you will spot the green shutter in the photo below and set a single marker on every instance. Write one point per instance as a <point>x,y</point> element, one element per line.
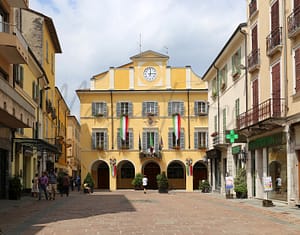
<point>196,145</point>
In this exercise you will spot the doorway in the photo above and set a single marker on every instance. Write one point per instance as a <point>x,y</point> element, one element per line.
<point>103,175</point>
<point>151,170</point>
<point>199,173</point>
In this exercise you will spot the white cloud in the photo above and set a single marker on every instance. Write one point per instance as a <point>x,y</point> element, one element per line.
<point>95,35</point>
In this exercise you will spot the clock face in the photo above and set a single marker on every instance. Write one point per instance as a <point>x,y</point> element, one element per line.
<point>150,73</point>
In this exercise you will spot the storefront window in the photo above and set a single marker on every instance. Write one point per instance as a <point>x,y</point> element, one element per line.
<point>277,169</point>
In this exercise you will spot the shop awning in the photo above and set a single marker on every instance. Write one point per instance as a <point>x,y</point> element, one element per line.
<point>39,144</point>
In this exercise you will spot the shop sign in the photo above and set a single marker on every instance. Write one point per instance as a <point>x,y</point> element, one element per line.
<point>267,141</point>
<point>267,183</point>
<point>236,149</point>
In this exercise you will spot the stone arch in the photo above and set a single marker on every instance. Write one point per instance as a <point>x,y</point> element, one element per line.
<point>199,173</point>
<point>125,174</point>
<point>176,175</point>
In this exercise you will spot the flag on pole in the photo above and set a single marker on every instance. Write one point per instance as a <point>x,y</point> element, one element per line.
<point>151,142</point>
<point>176,127</point>
<point>123,127</point>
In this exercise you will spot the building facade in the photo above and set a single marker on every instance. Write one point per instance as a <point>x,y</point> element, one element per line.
<point>272,121</point>
<point>227,92</point>
<point>73,146</point>
<point>144,117</point>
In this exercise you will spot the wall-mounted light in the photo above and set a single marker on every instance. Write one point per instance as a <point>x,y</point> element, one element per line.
<point>243,155</point>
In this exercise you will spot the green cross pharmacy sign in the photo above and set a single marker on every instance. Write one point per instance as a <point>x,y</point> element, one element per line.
<point>232,136</point>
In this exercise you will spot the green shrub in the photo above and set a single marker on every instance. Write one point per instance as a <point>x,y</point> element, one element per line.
<point>137,182</point>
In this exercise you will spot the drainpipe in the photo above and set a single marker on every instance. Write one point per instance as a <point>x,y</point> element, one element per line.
<point>218,99</point>
<point>246,67</point>
<point>112,120</point>
<point>284,34</point>
<point>189,126</point>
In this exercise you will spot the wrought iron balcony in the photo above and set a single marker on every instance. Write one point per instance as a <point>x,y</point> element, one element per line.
<point>294,23</point>
<point>274,41</point>
<point>269,109</point>
<point>13,47</point>
<point>254,60</point>
<point>252,7</point>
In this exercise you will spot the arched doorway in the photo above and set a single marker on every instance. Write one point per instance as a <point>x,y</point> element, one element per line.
<point>151,170</point>
<point>199,173</point>
<point>125,175</point>
<point>103,175</point>
<point>176,175</point>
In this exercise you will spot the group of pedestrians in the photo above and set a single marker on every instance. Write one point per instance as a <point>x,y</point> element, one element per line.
<point>49,183</point>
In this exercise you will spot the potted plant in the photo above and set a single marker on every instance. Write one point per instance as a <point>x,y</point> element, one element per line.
<point>137,181</point>
<point>15,188</point>
<point>162,182</point>
<point>204,186</point>
<point>240,183</point>
<point>89,181</point>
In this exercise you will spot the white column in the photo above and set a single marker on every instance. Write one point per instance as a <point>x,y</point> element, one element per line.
<point>291,168</point>
<point>265,168</point>
<point>131,78</point>
<point>258,173</point>
<point>168,77</point>
<point>188,76</point>
<point>111,78</point>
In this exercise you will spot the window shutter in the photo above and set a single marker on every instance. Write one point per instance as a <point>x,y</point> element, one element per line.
<point>254,38</point>
<point>196,108</point>
<point>144,141</point>
<point>131,139</point>
<point>118,109</point>
<point>181,105</point>
<point>104,109</point>
<point>130,109</point>
<point>156,108</point>
<point>105,140</point>
<point>196,140</point>
<point>119,144</point>
<point>156,145</point>
<point>144,109</point>
<point>297,68</point>
<point>239,55</point>
<point>93,145</point>
<point>170,108</point>
<point>275,16</point>
<point>93,109</point>
<point>21,76</point>
<point>170,139</point>
<point>181,138</point>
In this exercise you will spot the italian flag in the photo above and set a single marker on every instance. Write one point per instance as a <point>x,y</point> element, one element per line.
<point>176,126</point>
<point>123,127</point>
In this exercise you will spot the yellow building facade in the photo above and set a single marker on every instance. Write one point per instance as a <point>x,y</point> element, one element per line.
<point>144,117</point>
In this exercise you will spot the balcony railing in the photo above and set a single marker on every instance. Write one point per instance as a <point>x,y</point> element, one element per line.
<point>274,41</point>
<point>294,23</point>
<point>252,7</point>
<point>13,46</point>
<point>271,108</point>
<point>218,139</point>
<point>254,60</point>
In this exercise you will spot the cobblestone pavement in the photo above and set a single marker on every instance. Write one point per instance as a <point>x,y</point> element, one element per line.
<point>133,212</point>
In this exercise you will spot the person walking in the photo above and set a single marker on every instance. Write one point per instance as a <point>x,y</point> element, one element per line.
<point>145,183</point>
<point>65,185</point>
<point>52,184</point>
<point>35,185</point>
<point>43,183</point>
<point>78,182</point>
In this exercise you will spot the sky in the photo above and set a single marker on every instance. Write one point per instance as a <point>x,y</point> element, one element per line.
<point>98,34</point>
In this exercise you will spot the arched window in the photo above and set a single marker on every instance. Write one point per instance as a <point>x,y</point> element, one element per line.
<point>175,171</point>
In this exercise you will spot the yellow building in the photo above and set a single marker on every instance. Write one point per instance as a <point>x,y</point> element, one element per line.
<point>73,146</point>
<point>144,117</point>
<point>17,109</point>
